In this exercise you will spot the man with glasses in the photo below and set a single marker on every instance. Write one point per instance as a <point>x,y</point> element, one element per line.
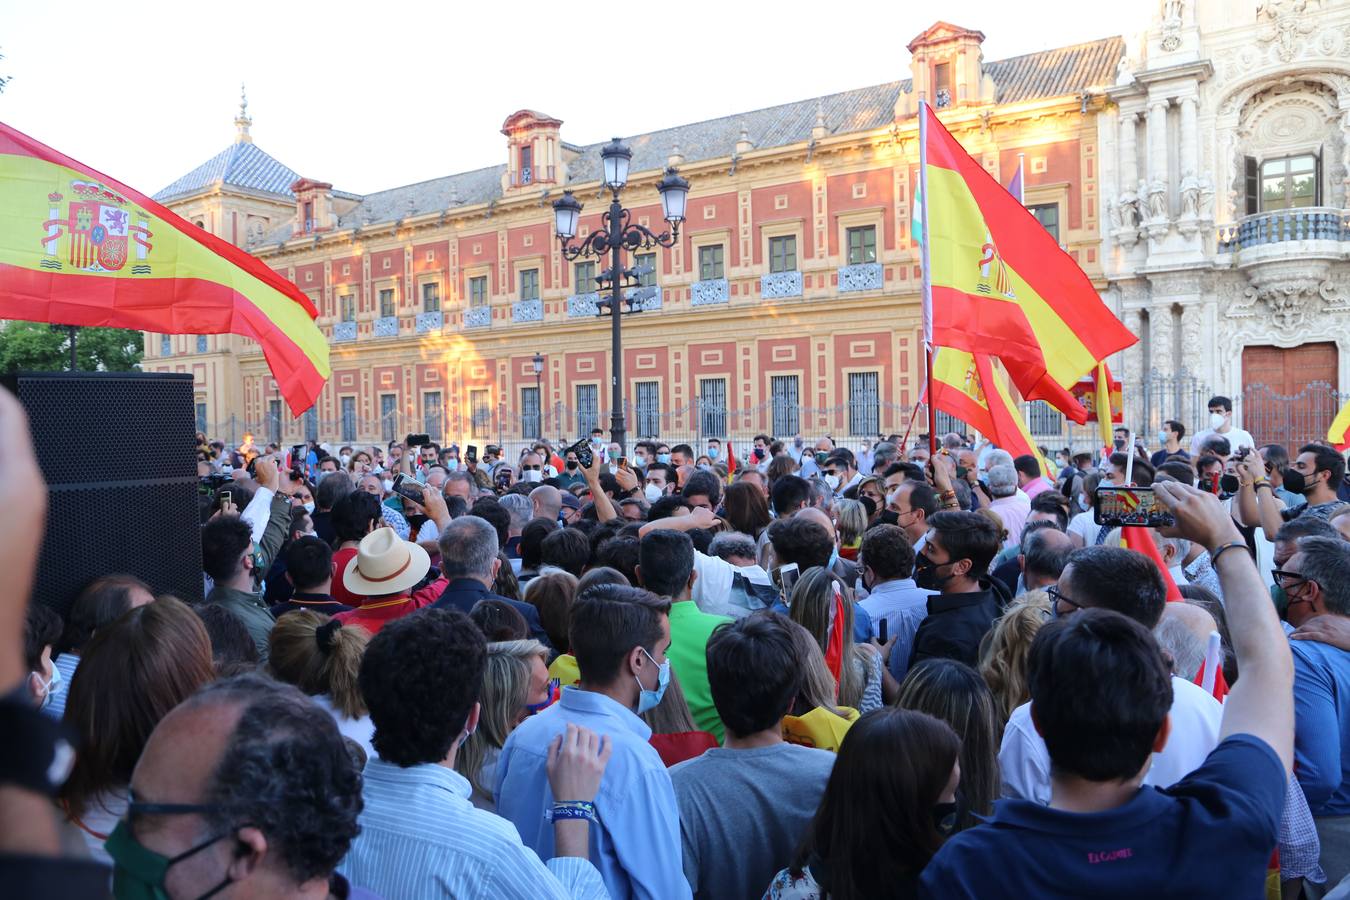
<point>248,785</point>
<point>1128,583</point>
<point>531,468</point>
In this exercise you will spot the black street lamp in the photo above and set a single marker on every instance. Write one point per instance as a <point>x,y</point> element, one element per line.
<point>539,396</point>
<point>617,235</point>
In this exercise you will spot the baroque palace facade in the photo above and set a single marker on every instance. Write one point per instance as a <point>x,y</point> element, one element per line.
<point>790,304</point>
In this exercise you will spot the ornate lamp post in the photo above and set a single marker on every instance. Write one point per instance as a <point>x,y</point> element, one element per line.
<point>616,235</point>
<point>539,396</point>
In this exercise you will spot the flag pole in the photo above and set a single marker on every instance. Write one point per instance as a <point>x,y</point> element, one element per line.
<point>927,277</point>
<point>1021,179</point>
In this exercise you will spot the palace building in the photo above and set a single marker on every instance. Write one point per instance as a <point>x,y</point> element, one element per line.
<point>790,304</point>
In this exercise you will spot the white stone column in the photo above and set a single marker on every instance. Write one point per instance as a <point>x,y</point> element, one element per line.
<point>1190,138</point>
<point>1128,174</point>
<point>1157,140</point>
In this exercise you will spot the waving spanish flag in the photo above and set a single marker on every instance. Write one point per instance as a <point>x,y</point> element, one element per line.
<point>79,248</point>
<point>1339,433</point>
<point>966,386</point>
<point>998,282</point>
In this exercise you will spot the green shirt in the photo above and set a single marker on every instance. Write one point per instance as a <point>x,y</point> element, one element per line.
<point>690,629</point>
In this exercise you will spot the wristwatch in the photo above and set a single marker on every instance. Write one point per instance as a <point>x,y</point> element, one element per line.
<point>37,753</point>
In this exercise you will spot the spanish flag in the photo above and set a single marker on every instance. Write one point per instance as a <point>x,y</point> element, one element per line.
<point>1102,404</point>
<point>966,386</point>
<point>998,283</point>
<point>79,248</point>
<point>1339,433</point>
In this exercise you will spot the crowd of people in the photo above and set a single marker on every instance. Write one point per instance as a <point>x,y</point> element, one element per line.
<point>806,672</point>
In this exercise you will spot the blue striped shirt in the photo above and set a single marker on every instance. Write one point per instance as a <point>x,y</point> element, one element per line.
<point>422,838</point>
<point>636,845</point>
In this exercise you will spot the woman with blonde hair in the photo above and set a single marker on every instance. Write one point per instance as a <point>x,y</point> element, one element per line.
<point>873,487</point>
<point>515,685</point>
<point>998,523</point>
<point>850,521</point>
<point>1003,663</point>
<point>322,658</point>
<point>816,720</point>
<point>857,667</point>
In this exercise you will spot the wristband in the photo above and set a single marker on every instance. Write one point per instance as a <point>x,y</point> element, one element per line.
<point>1219,550</point>
<point>1264,483</point>
<point>571,809</point>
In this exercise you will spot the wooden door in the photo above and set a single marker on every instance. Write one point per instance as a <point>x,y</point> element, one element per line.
<point>1288,394</point>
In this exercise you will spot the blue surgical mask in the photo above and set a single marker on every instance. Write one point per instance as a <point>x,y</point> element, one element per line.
<point>663,458</point>
<point>834,558</point>
<point>648,700</point>
<point>713,452</point>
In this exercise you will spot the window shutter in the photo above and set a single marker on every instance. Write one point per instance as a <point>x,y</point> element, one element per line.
<point>1317,178</point>
<point>1252,181</point>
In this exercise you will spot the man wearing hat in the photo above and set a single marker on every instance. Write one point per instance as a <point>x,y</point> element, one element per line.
<point>383,573</point>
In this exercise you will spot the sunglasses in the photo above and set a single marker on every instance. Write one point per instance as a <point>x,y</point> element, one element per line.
<point>532,468</point>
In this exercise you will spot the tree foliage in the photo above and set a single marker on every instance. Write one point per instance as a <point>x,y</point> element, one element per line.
<point>38,347</point>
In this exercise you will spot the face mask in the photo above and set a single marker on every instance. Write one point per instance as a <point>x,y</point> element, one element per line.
<point>759,453</point>
<point>309,507</point>
<point>641,461</point>
<point>649,699</point>
<point>49,687</point>
<point>138,873</point>
<point>663,458</point>
<point>652,493</point>
<point>1295,481</point>
<point>571,465</point>
<point>532,475</point>
<point>926,574</point>
<point>1216,420</point>
<point>704,467</point>
<point>832,481</point>
<point>945,816</point>
<point>346,458</point>
<point>1162,437</point>
<point>1119,443</point>
<point>834,558</point>
<point>712,452</point>
<point>821,456</point>
<point>797,443</point>
<point>388,485</point>
<point>1280,599</point>
<point>554,692</point>
<point>613,454</point>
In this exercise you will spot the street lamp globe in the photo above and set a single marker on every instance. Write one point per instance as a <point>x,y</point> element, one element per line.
<point>616,157</point>
<point>674,192</point>
<point>566,211</point>
<point>538,363</point>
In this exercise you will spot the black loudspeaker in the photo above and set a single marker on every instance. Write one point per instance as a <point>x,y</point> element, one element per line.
<point>118,451</point>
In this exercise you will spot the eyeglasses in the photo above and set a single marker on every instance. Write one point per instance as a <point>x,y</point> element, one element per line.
<point>1056,595</point>
<point>1287,579</point>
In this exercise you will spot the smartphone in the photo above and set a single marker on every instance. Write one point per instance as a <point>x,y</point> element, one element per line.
<point>582,449</point>
<point>471,454</point>
<point>417,440</point>
<point>402,487</point>
<point>1113,507</point>
<point>225,497</point>
<point>882,629</point>
<point>786,579</point>
<point>1209,483</point>
<point>623,462</point>
<point>504,478</point>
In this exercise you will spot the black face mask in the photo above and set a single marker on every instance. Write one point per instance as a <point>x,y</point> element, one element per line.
<point>890,517</point>
<point>1295,481</point>
<point>946,816</point>
<point>926,574</point>
<point>571,464</point>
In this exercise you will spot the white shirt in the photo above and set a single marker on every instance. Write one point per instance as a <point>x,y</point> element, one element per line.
<point>258,511</point>
<point>1236,438</point>
<point>1083,526</point>
<point>1025,762</point>
<point>712,589</point>
<point>360,730</point>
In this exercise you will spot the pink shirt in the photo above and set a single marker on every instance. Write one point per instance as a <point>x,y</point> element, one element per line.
<point>1032,488</point>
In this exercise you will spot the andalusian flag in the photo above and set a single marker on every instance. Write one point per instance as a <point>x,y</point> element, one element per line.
<point>1339,433</point>
<point>966,386</point>
<point>998,283</point>
<point>78,248</point>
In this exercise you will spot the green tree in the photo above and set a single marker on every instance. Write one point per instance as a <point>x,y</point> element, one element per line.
<point>37,347</point>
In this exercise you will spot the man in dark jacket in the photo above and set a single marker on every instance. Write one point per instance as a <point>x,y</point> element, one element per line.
<point>953,561</point>
<point>469,566</point>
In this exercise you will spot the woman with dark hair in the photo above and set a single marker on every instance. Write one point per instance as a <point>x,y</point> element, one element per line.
<point>506,584</point>
<point>746,508</point>
<point>101,602</point>
<point>955,693</point>
<point>887,808</point>
<point>354,516</point>
<point>499,621</point>
<point>131,674</point>
<point>552,594</point>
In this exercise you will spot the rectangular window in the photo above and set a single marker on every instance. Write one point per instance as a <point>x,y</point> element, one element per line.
<point>526,164</point>
<point>588,408</point>
<point>783,254</point>
<point>200,410</point>
<point>1289,183</point>
<point>274,421</point>
<point>165,345</point>
<point>712,407</point>
<point>431,297</point>
<point>348,419</point>
<point>648,409</point>
<point>710,262</point>
<point>942,77</point>
<point>309,215</point>
<point>478,294</point>
<point>1043,419</point>
<point>480,414</point>
<point>585,277</point>
<point>312,424</point>
<point>647,279</point>
<point>433,414</point>
<point>530,424</point>
<point>786,406</point>
<point>388,416</point>
<point>201,343</point>
<point>529,284</point>
<point>864,403</point>
<point>947,422</point>
<point>862,245</point>
<point>386,302</point>
<point>347,308</point>
<point>1048,215</point>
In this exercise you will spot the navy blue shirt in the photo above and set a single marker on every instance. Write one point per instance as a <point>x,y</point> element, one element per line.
<point>1209,835</point>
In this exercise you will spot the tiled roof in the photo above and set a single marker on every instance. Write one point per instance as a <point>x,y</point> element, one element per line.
<point>1049,73</point>
<point>239,165</point>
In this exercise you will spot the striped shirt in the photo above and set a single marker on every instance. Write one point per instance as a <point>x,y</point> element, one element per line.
<point>422,838</point>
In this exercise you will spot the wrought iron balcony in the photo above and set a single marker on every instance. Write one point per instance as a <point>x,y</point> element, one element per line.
<point>386,326</point>
<point>860,277</point>
<point>344,332</point>
<point>429,322</point>
<point>645,304</point>
<point>777,285</point>
<point>478,317</point>
<point>527,311</point>
<point>709,293</point>
<point>582,306</point>
<point>1284,225</point>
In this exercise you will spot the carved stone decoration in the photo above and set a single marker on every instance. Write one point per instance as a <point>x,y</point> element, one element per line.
<point>1129,210</point>
<point>1157,201</point>
<point>1192,320</point>
<point>1283,26</point>
<point>1113,215</point>
<point>1206,202</point>
<point>1160,338</point>
<point>1190,196</point>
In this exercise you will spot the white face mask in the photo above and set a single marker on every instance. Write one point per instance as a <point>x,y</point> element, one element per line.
<point>388,485</point>
<point>832,481</point>
<point>652,493</point>
<point>1216,420</point>
<point>49,687</point>
<point>346,458</point>
<point>532,475</point>
<point>309,507</point>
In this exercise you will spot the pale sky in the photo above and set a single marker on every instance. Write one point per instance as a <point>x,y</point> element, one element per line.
<point>370,96</point>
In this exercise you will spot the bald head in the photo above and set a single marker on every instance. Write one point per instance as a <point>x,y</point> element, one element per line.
<point>547,502</point>
<point>815,514</point>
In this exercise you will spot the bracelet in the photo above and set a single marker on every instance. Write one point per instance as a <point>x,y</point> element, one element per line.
<point>1217,551</point>
<point>571,809</point>
<point>1264,483</point>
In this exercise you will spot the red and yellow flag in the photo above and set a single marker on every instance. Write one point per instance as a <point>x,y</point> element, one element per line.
<point>1141,541</point>
<point>1339,432</point>
<point>1000,284</point>
<point>79,248</point>
<point>966,386</point>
